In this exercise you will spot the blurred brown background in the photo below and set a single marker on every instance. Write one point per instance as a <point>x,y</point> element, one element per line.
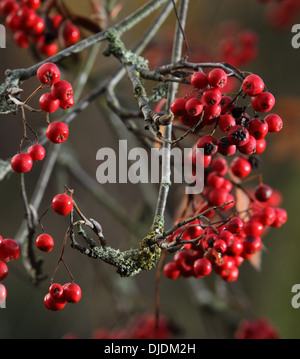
<point>107,299</point>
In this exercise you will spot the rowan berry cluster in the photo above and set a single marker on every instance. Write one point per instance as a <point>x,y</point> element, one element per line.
<point>59,295</point>
<point>31,26</point>
<point>231,235</point>
<point>281,14</point>
<point>60,96</point>
<point>256,329</point>
<point>9,251</point>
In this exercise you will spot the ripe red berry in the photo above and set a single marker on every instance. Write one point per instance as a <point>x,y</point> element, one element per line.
<point>253,228</point>
<point>56,290</point>
<point>57,132</point>
<point>71,34</point>
<point>217,78</point>
<point>220,246</point>
<point>275,123</point>
<point>3,293</point>
<point>48,73</point>
<point>72,292</point>
<point>48,49</point>
<point>215,179</point>
<point>220,165</point>
<point>249,148</point>
<point>218,196</point>
<point>9,250</point>
<point>258,128</point>
<point>21,39</point>
<point>8,6</point>
<point>253,85</point>
<point>238,135</point>
<point>260,146</point>
<point>54,304</point>
<point>48,103</point>
<point>225,147</point>
<point>281,217</point>
<point>199,80</point>
<point>252,244</point>
<point>3,271</point>
<point>202,267</point>
<point>193,107</point>
<point>263,102</point>
<point>263,193</point>
<point>37,152</point>
<point>240,167</point>
<point>171,271</point>
<point>211,96</point>
<point>178,107</point>
<point>65,104</point>
<point>209,144</point>
<point>21,163</point>
<point>33,4</point>
<point>38,26</point>
<point>226,122</point>
<point>62,204</point>
<point>235,225</point>
<point>62,90</point>
<point>44,243</point>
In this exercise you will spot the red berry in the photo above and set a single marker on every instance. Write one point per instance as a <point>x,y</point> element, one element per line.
<point>62,90</point>
<point>33,4</point>
<point>209,144</point>
<point>253,228</point>
<point>21,163</point>
<point>21,39</point>
<point>281,217</point>
<point>65,104</point>
<point>3,293</point>
<point>263,102</point>
<point>220,165</point>
<point>199,80</point>
<point>252,244</point>
<point>202,267</point>
<point>217,78</point>
<point>263,193</point>
<point>211,112</point>
<point>218,196</point>
<point>226,122</point>
<point>9,250</point>
<point>56,290</point>
<point>249,147</point>
<point>267,216</point>
<point>38,26</point>
<point>220,246</point>
<point>48,103</point>
<point>253,85</point>
<point>184,262</point>
<point>71,34</point>
<point>240,167</point>
<point>211,96</point>
<point>178,107</point>
<point>48,49</point>
<point>57,132</point>
<point>62,204</point>
<point>3,271</point>
<point>171,271</point>
<point>54,304</point>
<point>72,292</point>
<point>275,123</point>
<point>8,6</point>
<point>227,104</point>
<point>235,225</point>
<point>215,179</point>
<point>48,73</point>
<point>37,152</point>
<point>258,128</point>
<point>193,107</point>
<point>44,242</point>
<point>260,146</point>
<point>225,147</point>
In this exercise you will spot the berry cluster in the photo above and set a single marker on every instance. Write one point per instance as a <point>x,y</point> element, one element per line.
<point>9,251</point>
<point>256,329</point>
<point>61,96</point>
<point>30,25</point>
<point>281,14</point>
<point>59,295</point>
<point>235,235</point>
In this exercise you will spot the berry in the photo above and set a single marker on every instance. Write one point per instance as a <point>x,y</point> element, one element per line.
<point>48,103</point>
<point>235,225</point>
<point>48,73</point>
<point>21,163</point>
<point>171,271</point>
<point>33,4</point>
<point>260,146</point>
<point>71,34</point>
<point>48,49</point>
<point>263,193</point>
<point>9,250</point>
<point>217,78</point>
<point>3,271</point>
<point>225,147</point>
<point>211,96</point>
<point>263,102</point>
<point>258,128</point>
<point>226,122</point>
<point>220,246</point>
<point>209,144</point>
<point>62,204</point>
<point>57,132</point>
<point>253,85</point>
<point>178,107</point>
<point>72,292</point>
<point>37,152</point>
<point>274,122</point>
<point>56,290</point>
<point>21,39</point>
<point>193,107</point>
<point>62,90</point>
<point>249,147</point>
<point>54,304</point>
<point>199,80</point>
<point>240,167</point>
<point>3,293</point>
<point>253,228</point>
<point>238,135</point>
<point>65,104</point>
<point>202,267</point>
<point>44,242</point>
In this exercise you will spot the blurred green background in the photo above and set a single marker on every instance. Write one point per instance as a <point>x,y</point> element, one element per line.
<point>108,300</point>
